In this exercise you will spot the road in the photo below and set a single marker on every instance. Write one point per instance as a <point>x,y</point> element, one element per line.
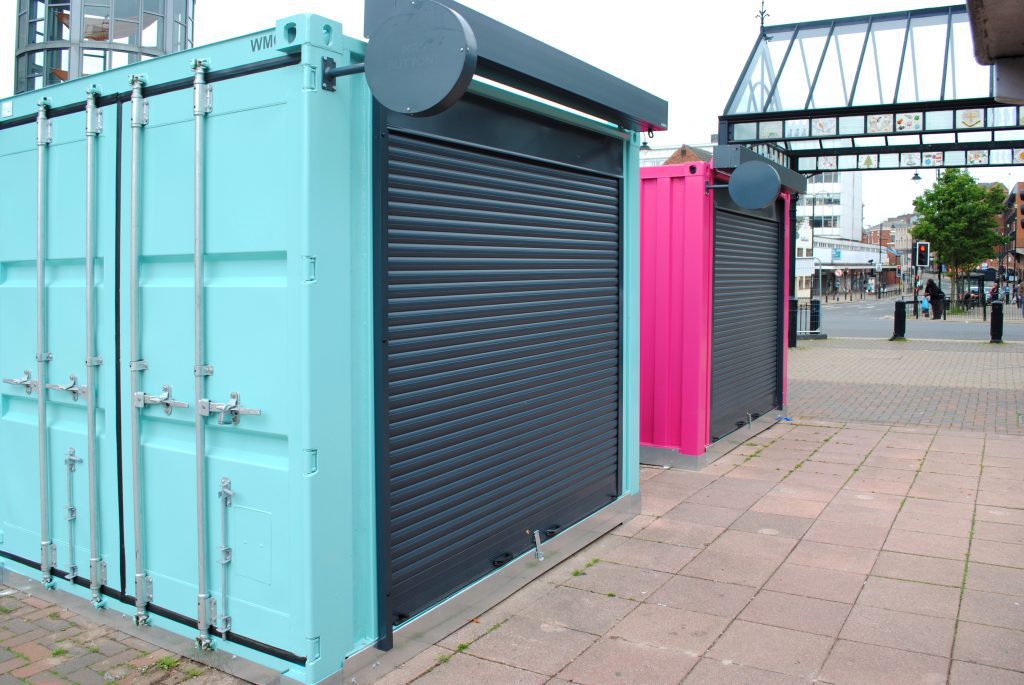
<point>874,319</point>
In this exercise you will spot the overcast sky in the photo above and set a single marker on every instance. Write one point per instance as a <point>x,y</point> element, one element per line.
<point>689,52</point>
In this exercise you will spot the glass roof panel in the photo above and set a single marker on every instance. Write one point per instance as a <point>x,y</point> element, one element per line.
<point>921,76</point>
<point>876,83</point>
<point>965,78</point>
<point>755,85</point>
<point>795,80</point>
<point>835,78</point>
<point>899,57</point>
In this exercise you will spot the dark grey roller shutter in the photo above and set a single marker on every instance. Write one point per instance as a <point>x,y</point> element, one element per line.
<point>747,309</point>
<point>502,358</point>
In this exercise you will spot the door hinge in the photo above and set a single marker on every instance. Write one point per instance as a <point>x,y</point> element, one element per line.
<point>314,648</point>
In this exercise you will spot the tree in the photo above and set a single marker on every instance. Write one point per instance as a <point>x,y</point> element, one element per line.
<point>958,218</point>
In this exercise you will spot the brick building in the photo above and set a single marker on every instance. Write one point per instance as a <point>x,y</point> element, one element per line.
<point>1011,257</point>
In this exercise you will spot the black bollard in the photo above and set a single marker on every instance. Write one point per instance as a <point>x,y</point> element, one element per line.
<point>793,313</point>
<point>899,323</point>
<point>815,316</point>
<point>997,322</point>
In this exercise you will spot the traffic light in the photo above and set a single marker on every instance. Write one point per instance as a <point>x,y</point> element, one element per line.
<point>924,256</point>
<point>899,271</point>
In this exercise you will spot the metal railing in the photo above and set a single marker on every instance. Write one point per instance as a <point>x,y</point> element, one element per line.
<point>892,292</point>
<point>808,317</point>
<point>973,308</point>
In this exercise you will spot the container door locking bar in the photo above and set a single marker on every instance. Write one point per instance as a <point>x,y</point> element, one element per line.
<point>137,365</point>
<point>25,381</point>
<point>232,408</point>
<point>44,137</point>
<point>71,460</point>
<point>72,387</point>
<point>140,400</point>
<point>225,494</point>
<point>93,128</point>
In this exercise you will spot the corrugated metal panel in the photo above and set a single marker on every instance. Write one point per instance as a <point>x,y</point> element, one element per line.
<point>502,358</point>
<point>745,329</point>
<point>675,307</point>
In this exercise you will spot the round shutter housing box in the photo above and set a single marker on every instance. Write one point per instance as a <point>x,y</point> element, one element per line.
<point>754,185</point>
<point>421,61</point>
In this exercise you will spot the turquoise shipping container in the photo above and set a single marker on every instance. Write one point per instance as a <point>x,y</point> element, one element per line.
<point>301,381</point>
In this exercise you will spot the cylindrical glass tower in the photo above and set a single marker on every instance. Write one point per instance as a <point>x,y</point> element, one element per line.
<point>60,40</point>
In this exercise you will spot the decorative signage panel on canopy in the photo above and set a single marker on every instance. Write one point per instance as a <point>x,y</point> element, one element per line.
<point>886,91</point>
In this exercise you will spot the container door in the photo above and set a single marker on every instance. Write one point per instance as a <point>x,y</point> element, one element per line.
<point>251,458</point>
<point>746,329</point>
<point>56,503</point>
<point>500,362</point>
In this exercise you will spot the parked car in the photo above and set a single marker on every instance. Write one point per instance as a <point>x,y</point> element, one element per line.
<point>971,297</point>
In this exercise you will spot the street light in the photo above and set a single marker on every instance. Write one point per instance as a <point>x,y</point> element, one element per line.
<point>916,178</point>
<point>813,197</point>
<point>878,267</point>
<point>818,269</point>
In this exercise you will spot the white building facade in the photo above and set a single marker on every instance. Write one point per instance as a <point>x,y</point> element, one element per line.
<point>833,204</point>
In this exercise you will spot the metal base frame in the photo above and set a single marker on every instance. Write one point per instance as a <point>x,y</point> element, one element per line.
<point>665,456</point>
<point>812,336</point>
<point>431,626</point>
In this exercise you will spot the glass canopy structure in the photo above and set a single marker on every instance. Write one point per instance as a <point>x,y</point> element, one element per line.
<point>58,40</point>
<point>886,91</point>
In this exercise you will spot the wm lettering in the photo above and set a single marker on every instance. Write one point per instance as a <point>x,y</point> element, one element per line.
<point>262,42</point>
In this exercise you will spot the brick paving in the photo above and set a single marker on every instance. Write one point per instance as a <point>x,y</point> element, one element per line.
<point>43,643</point>
<point>949,384</point>
<point>872,539</point>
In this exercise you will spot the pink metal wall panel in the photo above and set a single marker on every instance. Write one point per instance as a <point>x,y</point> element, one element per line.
<point>676,279</point>
<point>675,307</point>
<point>786,199</point>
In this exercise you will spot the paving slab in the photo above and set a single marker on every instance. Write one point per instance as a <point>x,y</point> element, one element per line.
<point>833,557</point>
<point>614,661</point>
<point>805,614</point>
<point>717,517</point>
<point>992,609</point>
<point>818,583</point>
<point>715,672</point>
<point>840,533</point>
<point>910,597</point>
<point>530,644</point>
<point>964,673</point>
<point>772,524</point>
<point>989,645</point>
<point>912,632</point>
<point>629,582</point>
<point>581,610</point>
<point>772,649</point>
<point>920,568</point>
<point>853,663</point>
<point>670,628</point>
<point>463,668</point>
<point>703,596</point>
<point>927,544</point>
<point>656,556</point>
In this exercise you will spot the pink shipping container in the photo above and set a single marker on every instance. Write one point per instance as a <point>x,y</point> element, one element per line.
<point>713,314</point>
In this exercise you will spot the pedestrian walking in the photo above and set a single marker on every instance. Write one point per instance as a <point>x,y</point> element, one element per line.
<point>935,297</point>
